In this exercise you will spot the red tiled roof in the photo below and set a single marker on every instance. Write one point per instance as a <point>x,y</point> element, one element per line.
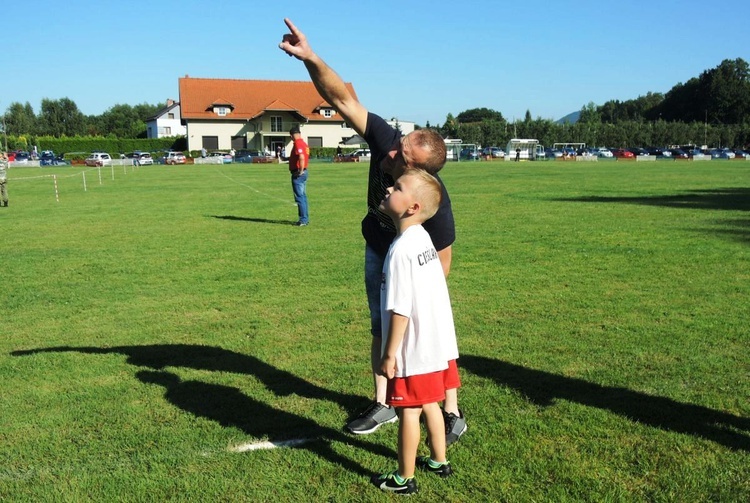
<point>251,98</point>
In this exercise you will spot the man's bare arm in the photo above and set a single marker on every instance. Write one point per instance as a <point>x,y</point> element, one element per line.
<point>328,83</point>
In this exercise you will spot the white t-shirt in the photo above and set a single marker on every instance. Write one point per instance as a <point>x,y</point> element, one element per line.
<point>414,286</point>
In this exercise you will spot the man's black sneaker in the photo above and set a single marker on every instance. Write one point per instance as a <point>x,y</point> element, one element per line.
<point>375,415</point>
<point>387,482</point>
<point>443,470</point>
<point>455,426</point>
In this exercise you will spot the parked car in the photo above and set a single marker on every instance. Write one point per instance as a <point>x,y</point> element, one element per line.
<point>144,158</point>
<point>678,153</point>
<point>244,155</point>
<point>638,151</point>
<point>603,152</point>
<point>98,159</point>
<point>552,153</point>
<point>175,158</point>
<point>21,156</point>
<point>695,153</point>
<point>493,152</point>
<point>362,152</point>
<point>659,152</point>
<point>48,158</point>
<point>744,154</point>
<point>621,153</point>
<point>469,153</point>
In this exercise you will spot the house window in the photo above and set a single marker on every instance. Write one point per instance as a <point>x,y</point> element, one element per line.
<point>165,131</point>
<point>170,116</point>
<point>327,112</point>
<point>276,124</point>
<point>315,141</point>
<point>221,111</point>
<point>210,142</point>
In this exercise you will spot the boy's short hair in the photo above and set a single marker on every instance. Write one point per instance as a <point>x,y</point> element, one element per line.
<point>427,192</point>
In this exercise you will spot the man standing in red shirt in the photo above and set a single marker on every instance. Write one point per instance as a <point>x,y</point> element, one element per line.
<point>298,161</point>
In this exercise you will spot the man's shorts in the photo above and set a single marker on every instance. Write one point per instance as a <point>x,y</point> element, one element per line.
<point>417,390</point>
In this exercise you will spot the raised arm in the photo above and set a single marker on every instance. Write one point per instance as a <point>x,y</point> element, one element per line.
<point>328,83</point>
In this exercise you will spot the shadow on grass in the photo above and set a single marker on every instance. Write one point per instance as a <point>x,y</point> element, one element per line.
<point>229,406</point>
<point>256,220</point>
<point>728,199</point>
<point>543,388</point>
<point>721,199</point>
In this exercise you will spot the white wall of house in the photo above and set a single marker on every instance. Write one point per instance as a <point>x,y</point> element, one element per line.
<point>262,132</point>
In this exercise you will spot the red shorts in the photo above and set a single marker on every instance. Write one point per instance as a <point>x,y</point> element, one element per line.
<point>422,389</point>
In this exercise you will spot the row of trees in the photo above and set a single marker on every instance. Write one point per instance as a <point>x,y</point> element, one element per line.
<point>712,109</point>
<point>58,118</point>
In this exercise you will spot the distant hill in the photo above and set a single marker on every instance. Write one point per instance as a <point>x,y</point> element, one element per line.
<point>571,118</point>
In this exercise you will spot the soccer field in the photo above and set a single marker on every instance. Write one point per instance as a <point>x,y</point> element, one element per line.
<point>167,334</point>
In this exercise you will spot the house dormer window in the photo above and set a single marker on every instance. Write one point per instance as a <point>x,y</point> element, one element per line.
<point>221,111</point>
<point>327,112</point>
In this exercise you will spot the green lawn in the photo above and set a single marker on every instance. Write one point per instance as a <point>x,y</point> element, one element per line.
<point>166,318</point>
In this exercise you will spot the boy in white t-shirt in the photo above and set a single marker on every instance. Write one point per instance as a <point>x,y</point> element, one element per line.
<point>419,340</point>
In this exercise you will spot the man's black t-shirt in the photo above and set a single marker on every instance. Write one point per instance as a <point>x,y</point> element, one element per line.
<point>377,227</point>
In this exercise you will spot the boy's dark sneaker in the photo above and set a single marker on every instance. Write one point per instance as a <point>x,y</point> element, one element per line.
<point>387,482</point>
<point>374,416</point>
<point>455,426</point>
<point>443,470</point>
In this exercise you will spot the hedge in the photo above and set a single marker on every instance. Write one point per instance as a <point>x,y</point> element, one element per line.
<point>84,144</point>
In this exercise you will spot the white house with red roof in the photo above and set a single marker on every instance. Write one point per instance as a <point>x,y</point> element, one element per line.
<point>166,122</point>
<point>224,114</point>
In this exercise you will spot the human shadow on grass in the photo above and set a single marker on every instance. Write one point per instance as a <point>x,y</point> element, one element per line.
<point>256,220</point>
<point>229,407</point>
<point>727,199</point>
<point>215,359</point>
<point>543,388</point>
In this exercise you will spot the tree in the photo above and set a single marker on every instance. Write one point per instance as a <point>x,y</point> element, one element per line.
<point>478,115</point>
<point>61,118</point>
<point>20,119</point>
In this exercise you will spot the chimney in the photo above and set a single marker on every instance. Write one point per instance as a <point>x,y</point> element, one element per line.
<point>170,102</point>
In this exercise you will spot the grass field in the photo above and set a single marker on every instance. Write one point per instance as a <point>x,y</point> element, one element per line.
<point>158,325</point>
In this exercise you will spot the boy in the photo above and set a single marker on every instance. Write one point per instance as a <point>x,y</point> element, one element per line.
<point>419,340</point>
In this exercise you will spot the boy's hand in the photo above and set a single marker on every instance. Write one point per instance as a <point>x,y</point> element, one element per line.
<point>388,366</point>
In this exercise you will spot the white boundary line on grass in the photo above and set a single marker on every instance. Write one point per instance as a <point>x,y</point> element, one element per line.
<point>257,446</point>
<point>285,201</point>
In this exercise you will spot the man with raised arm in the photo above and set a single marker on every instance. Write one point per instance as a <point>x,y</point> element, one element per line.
<point>391,155</point>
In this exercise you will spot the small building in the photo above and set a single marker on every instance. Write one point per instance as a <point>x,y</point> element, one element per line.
<point>166,122</point>
<point>524,149</point>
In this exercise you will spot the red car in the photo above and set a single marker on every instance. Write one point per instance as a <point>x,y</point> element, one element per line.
<point>621,153</point>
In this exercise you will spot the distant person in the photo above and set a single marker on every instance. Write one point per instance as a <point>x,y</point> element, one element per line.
<point>518,154</point>
<point>339,151</point>
<point>232,153</point>
<point>419,348</point>
<point>136,159</point>
<point>4,179</point>
<point>298,163</point>
<point>391,155</point>
<point>278,152</point>
<point>203,152</point>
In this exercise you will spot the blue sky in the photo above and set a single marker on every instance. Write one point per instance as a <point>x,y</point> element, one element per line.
<point>413,60</point>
